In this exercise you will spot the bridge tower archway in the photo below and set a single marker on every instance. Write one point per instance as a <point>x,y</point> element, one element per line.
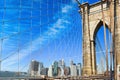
<point>92,19</point>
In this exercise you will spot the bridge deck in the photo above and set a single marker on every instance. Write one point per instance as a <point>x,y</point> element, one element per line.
<point>58,78</point>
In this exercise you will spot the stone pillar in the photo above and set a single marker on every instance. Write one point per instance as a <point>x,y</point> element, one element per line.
<point>86,40</point>
<point>93,57</point>
<point>115,24</point>
<point>117,38</point>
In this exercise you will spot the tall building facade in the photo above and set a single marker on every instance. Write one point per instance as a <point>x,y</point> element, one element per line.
<point>41,67</point>
<point>34,68</point>
<point>73,69</point>
<point>61,63</point>
<point>55,68</point>
<point>44,71</point>
<point>79,69</point>
<point>50,71</point>
<point>71,62</point>
<point>67,71</point>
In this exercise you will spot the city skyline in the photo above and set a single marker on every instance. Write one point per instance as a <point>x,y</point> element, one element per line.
<point>56,69</point>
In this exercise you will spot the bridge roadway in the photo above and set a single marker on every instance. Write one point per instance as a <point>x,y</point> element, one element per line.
<point>58,78</point>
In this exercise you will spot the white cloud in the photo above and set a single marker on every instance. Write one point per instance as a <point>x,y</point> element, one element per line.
<point>57,27</point>
<point>66,8</point>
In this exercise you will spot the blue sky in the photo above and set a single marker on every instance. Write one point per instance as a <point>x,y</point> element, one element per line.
<point>43,30</point>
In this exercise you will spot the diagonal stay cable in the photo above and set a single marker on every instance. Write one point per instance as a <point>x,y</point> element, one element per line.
<point>99,44</point>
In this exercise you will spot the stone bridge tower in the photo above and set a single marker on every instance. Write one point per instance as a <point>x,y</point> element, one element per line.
<point>92,20</point>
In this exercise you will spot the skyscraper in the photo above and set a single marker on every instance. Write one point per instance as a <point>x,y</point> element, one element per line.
<point>34,68</point>
<point>40,67</point>
<point>73,69</point>
<point>79,69</point>
<point>67,71</point>
<point>63,63</point>
<point>60,63</point>
<point>50,71</point>
<point>71,62</point>
<point>44,71</point>
<point>55,68</point>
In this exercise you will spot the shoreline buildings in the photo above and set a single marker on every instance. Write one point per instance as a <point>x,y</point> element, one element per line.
<point>57,69</point>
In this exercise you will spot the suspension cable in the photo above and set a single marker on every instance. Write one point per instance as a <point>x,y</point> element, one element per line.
<point>1,53</point>
<point>100,46</point>
<point>2,40</point>
<point>19,37</point>
<point>105,37</point>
